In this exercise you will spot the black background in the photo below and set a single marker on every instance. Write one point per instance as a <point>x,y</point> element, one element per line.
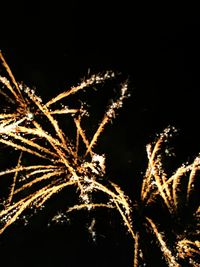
<point>51,46</point>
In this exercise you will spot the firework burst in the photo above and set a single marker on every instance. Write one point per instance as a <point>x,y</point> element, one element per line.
<point>64,164</point>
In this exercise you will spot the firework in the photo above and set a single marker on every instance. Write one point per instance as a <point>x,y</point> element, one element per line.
<point>64,165</point>
<point>58,160</point>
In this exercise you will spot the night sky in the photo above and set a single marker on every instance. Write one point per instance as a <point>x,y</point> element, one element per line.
<point>52,46</point>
